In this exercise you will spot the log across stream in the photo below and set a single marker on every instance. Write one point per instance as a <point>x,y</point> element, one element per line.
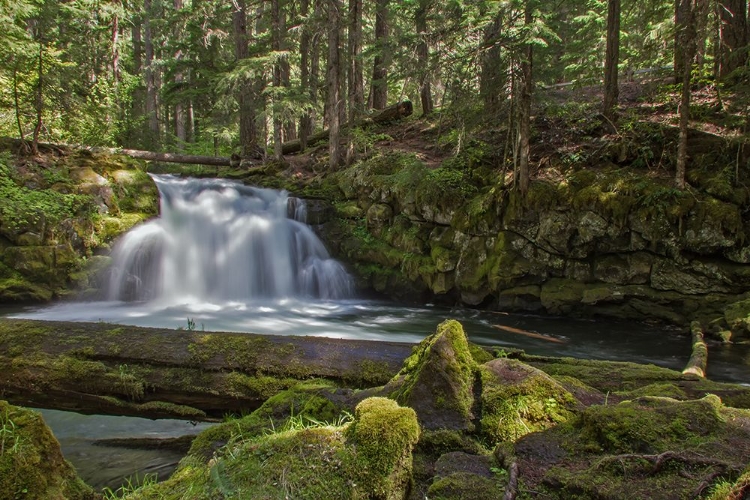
<point>103,368</point>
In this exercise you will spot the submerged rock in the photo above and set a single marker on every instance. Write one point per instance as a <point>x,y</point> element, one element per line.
<point>31,464</point>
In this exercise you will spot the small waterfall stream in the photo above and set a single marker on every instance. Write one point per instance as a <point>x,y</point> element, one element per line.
<point>220,240</point>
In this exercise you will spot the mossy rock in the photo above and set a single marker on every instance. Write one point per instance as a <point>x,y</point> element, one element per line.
<point>437,380</point>
<point>31,463</point>
<point>656,448</point>
<point>369,458</point>
<point>518,399</point>
<point>737,316</point>
<point>464,486</point>
<point>309,401</point>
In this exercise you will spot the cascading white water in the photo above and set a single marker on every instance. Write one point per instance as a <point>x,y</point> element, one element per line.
<point>219,240</point>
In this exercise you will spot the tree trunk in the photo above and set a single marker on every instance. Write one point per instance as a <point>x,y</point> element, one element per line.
<point>180,118</point>
<point>492,75</point>
<point>525,110</point>
<point>245,95</point>
<point>38,101</point>
<point>275,104</point>
<point>423,57</point>
<point>682,12</point>
<point>304,66</point>
<point>333,83</point>
<point>733,35</point>
<point>693,10</point>
<point>379,86</point>
<point>115,47</point>
<point>155,372</point>
<point>612,59</point>
<point>356,79</point>
<point>152,103</point>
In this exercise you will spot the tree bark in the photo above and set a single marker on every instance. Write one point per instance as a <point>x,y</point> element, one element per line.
<point>423,57</point>
<point>611,61</point>
<point>305,49</point>
<point>154,372</point>
<point>334,85</point>
<point>379,86</point>
<point>692,10</point>
<point>525,110</point>
<point>38,100</point>
<point>245,95</point>
<point>152,103</point>
<point>733,35</point>
<point>180,117</point>
<point>275,104</point>
<point>356,78</point>
<point>116,45</point>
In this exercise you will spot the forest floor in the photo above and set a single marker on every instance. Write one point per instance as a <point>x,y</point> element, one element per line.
<point>567,129</point>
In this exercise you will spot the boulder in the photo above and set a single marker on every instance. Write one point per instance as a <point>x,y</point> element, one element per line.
<point>518,399</point>
<point>31,464</point>
<point>437,380</point>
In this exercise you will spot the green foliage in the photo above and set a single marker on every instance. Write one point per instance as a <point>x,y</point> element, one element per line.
<point>22,208</point>
<point>131,487</point>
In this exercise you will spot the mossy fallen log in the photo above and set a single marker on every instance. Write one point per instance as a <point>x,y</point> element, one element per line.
<point>699,358</point>
<point>156,372</point>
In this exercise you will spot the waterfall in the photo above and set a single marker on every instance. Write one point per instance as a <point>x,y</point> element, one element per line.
<point>220,240</point>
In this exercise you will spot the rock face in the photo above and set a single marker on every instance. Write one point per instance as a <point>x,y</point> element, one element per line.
<point>31,463</point>
<point>54,216</point>
<point>606,242</point>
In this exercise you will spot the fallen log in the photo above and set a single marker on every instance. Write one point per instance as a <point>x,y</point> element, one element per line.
<point>155,372</point>
<point>698,361</point>
<point>391,113</point>
<point>526,333</point>
<point>214,161</point>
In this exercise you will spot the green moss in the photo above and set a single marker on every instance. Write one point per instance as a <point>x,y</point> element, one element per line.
<point>31,464</point>
<point>462,485</point>
<point>371,458</point>
<point>262,386</point>
<point>305,400</point>
<point>437,379</point>
<point>368,373</point>
<point>646,448</point>
<point>649,424</point>
<point>479,354</point>
<point>518,399</point>
<point>662,390</point>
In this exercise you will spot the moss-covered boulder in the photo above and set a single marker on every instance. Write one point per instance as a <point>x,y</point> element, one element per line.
<point>369,458</point>
<point>312,401</point>
<point>462,475</point>
<point>31,464</point>
<point>737,316</point>
<point>437,380</point>
<point>656,448</point>
<point>518,399</point>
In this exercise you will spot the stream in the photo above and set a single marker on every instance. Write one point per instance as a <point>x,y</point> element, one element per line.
<point>228,257</point>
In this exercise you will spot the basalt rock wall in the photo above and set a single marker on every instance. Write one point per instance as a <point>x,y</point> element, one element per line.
<point>608,242</point>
